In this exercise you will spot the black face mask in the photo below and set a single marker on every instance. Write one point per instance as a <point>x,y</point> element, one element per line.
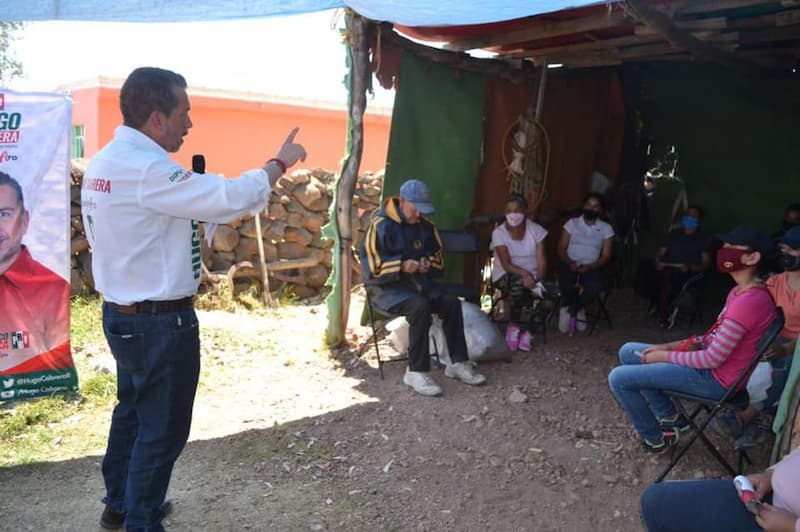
<point>591,215</point>
<point>790,263</point>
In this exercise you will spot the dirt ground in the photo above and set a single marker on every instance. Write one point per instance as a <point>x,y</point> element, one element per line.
<point>288,437</point>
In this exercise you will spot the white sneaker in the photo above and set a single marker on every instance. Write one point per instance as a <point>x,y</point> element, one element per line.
<point>464,372</point>
<point>563,319</point>
<point>581,321</point>
<point>422,383</point>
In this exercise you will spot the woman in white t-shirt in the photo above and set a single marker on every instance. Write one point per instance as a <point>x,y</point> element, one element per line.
<point>584,248</point>
<point>520,260</point>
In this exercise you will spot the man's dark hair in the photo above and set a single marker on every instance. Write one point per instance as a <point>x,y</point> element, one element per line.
<point>148,89</point>
<point>596,195</point>
<point>6,179</point>
<point>519,199</point>
<point>792,207</point>
<point>701,213</point>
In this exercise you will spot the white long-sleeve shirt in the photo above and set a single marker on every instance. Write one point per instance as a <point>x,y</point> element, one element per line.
<point>140,213</point>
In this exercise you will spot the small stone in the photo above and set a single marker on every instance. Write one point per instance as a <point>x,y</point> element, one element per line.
<point>585,482</point>
<point>611,479</point>
<point>517,396</point>
<point>699,474</point>
<point>617,514</point>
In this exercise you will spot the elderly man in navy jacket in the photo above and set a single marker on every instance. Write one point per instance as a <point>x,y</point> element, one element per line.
<point>400,256</point>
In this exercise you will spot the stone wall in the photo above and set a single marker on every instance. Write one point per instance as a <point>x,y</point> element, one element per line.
<point>290,230</point>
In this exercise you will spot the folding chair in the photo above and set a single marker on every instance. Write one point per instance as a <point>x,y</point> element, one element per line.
<point>536,317</point>
<point>686,301</point>
<point>733,397</point>
<point>596,312</point>
<point>385,315</point>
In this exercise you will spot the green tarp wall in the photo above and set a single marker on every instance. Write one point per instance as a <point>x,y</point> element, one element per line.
<point>436,137</point>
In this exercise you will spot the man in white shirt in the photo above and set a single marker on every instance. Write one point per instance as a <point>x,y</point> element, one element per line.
<point>140,210</point>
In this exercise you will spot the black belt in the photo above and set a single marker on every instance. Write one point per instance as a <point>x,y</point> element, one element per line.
<point>155,307</point>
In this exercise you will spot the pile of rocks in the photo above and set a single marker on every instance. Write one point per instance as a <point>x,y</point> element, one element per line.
<point>81,262</point>
<point>294,249</point>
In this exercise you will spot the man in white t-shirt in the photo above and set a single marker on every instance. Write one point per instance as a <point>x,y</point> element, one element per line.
<point>140,211</point>
<point>584,249</point>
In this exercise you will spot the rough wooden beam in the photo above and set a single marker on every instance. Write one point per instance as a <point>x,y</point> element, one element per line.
<point>693,7</point>
<point>707,24</point>
<point>766,35</point>
<point>773,20</point>
<point>292,264</point>
<point>685,41</point>
<point>504,69</point>
<point>584,46</point>
<point>542,30</point>
<point>618,42</point>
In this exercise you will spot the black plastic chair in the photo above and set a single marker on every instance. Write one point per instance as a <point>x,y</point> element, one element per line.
<point>466,243</point>
<point>733,397</point>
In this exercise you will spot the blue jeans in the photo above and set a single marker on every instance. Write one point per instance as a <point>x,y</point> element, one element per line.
<point>158,365</point>
<point>638,387</point>
<point>695,506</point>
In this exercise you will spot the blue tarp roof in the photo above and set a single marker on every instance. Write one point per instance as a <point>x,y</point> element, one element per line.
<point>405,12</point>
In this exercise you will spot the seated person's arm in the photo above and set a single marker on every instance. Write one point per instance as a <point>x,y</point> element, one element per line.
<point>505,260</point>
<point>704,265</point>
<point>661,256</point>
<point>433,264</point>
<point>605,255</point>
<point>383,265</point>
<point>563,244</point>
<point>541,260</point>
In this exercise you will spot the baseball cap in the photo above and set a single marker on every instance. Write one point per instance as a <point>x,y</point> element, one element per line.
<point>419,194</point>
<point>750,236</point>
<point>791,238</point>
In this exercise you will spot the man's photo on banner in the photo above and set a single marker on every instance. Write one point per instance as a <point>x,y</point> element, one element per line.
<point>35,357</point>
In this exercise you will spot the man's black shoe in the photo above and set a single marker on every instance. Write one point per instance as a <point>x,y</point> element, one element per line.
<point>111,520</point>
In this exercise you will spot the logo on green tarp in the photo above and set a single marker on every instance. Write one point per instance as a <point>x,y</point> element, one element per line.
<point>38,384</point>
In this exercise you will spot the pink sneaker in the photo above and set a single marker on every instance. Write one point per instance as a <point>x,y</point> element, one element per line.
<point>512,336</point>
<point>525,341</point>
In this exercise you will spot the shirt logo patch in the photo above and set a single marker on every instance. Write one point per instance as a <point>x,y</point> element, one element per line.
<point>97,184</point>
<point>417,244</point>
<point>180,175</point>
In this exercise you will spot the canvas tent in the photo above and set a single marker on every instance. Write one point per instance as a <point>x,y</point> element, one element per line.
<point>710,76</point>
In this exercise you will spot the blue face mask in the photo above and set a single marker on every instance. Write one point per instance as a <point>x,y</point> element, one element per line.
<point>690,222</point>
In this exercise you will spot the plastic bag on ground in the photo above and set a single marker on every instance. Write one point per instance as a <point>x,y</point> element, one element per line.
<point>484,341</point>
<point>759,382</point>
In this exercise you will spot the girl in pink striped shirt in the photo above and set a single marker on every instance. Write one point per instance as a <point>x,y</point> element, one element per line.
<point>705,367</point>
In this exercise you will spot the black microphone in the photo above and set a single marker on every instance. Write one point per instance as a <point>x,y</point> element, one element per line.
<point>199,163</point>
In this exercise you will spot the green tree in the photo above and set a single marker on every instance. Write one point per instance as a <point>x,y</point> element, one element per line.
<point>9,66</point>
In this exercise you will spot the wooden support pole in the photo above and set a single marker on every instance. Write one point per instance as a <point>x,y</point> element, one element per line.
<point>264,276</point>
<point>358,44</point>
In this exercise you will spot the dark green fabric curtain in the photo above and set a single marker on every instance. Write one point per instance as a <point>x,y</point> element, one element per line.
<point>737,139</point>
<point>436,136</point>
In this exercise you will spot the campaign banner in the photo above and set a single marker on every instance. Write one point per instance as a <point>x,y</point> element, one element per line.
<point>35,356</point>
